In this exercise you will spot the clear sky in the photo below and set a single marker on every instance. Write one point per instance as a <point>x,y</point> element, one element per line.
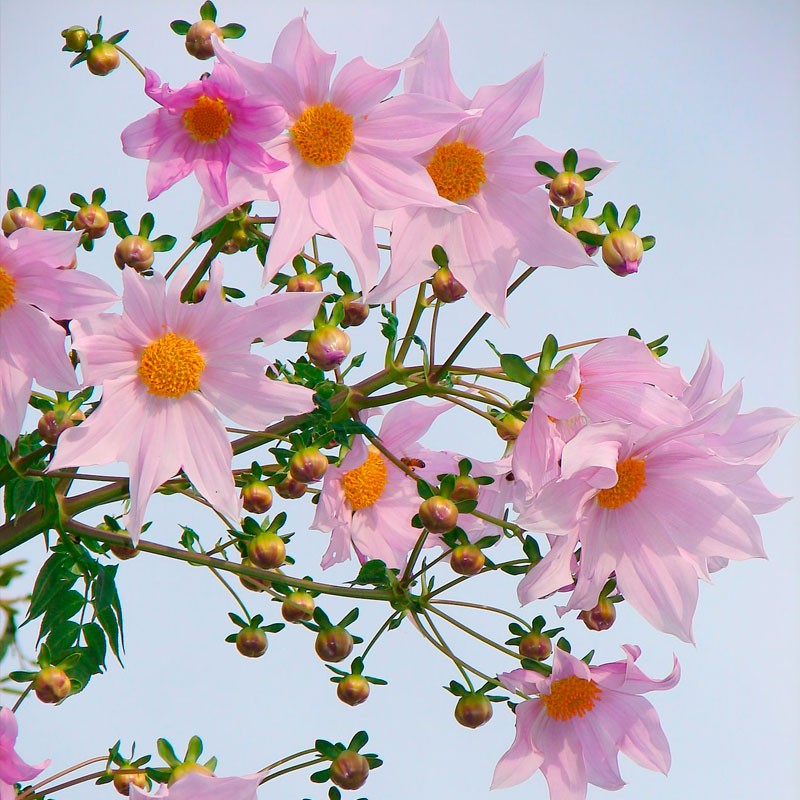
<point>699,104</point>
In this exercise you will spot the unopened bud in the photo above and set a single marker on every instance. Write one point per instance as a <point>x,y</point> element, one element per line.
<point>199,291</point>
<point>21,217</point>
<point>467,559</point>
<point>445,286</point>
<point>303,283</point>
<point>622,252</point>
<point>473,710</point>
<point>466,488</point>
<point>75,39</point>
<point>308,465</point>
<point>290,489</point>
<point>257,497</point>
<point>508,427</point>
<point>353,689</point>
<point>52,424</point>
<point>251,642</point>
<point>266,550</point>
<point>298,606</point>
<point>198,39</point>
<point>355,312</point>
<point>184,769</point>
<point>102,59</point>
<point>578,224</point>
<point>601,617</point>
<point>333,644</point>
<point>134,252</point>
<point>327,347</point>
<point>253,584</point>
<point>124,780</point>
<point>52,685</point>
<point>438,514</point>
<point>349,770</point>
<point>535,646</point>
<point>567,189</point>
<point>93,219</point>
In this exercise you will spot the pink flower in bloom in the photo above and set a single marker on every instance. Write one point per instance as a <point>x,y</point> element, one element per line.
<point>34,292</point>
<point>368,503</point>
<point>203,128</point>
<point>483,166</point>
<point>166,368</point>
<point>12,768</point>
<point>581,720</point>
<point>350,152</point>
<point>196,786</point>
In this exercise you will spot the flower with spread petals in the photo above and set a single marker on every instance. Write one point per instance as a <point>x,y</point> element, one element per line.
<point>198,786</point>
<point>350,152</point>
<point>33,293</point>
<point>579,722</point>
<point>166,369</point>
<point>367,503</point>
<point>481,166</point>
<point>205,127</point>
<point>12,768</point>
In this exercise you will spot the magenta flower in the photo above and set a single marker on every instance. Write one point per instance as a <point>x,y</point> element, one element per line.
<point>482,166</point>
<point>166,369</point>
<point>12,768</point>
<point>581,720</point>
<point>197,786</point>
<point>350,152</point>
<point>203,128</point>
<point>33,293</point>
<point>367,503</point>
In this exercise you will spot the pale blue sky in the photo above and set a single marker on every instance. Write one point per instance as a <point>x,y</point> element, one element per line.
<point>698,103</point>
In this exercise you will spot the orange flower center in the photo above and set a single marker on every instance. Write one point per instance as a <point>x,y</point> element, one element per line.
<point>578,394</point>
<point>570,697</point>
<point>323,135</point>
<point>364,485</point>
<point>7,295</point>
<point>630,481</point>
<point>171,366</point>
<point>208,119</point>
<point>457,170</point>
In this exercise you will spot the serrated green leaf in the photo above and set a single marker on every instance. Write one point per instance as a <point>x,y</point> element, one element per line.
<point>95,640</point>
<point>53,578</point>
<point>62,637</point>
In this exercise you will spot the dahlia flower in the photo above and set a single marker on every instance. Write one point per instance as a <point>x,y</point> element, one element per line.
<point>580,721</point>
<point>166,369</point>
<point>203,128</point>
<point>197,786</point>
<point>12,768</point>
<point>34,292</point>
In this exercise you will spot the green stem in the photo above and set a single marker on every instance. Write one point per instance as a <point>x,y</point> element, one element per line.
<point>442,646</point>
<point>377,636</point>
<point>416,316</point>
<point>292,757</point>
<point>133,61</point>
<point>22,697</point>
<point>480,637</point>
<point>217,244</point>
<point>293,769</point>
<point>482,607</point>
<point>95,760</point>
<point>53,789</point>
<point>183,256</point>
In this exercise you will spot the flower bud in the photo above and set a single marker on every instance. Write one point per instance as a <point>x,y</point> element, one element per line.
<point>266,550</point>
<point>333,644</point>
<point>257,497</point>
<point>567,189</point>
<point>438,514</point>
<point>467,559</point>
<point>253,584</point>
<point>622,252</point>
<point>355,312</point>
<point>102,59</point>
<point>123,780</point>
<point>445,286</point>
<point>290,489</point>
<point>535,646</point>
<point>123,551</point>
<point>21,217</point>
<point>349,770</point>
<point>199,291</point>
<point>353,689</point>
<point>327,347</point>
<point>473,710</point>
<point>52,424</point>
<point>303,283</point>
<point>184,769</point>
<point>93,219</point>
<point>134,252</point>
<point>508,427</point>
<point>578,224</point>
<point>251,642</point>
<point>298,606</point>
<point>308,465</point>
<point>198,39</point>
<point>601,617</point>
<point>52,685</point>
<point>75,39</point>
<point>466,488</point>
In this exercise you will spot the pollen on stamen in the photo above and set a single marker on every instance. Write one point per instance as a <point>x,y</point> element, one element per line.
<point>457,171</point>
<point>631,479</point>
<point>323,135</point>
<point>171,366</point>
<point>208,119</point>
<point>364,485</point>
<point>7,290</point>
<point>570,697</point>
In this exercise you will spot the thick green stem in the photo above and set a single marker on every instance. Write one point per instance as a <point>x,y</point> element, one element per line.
<point>416,316</point>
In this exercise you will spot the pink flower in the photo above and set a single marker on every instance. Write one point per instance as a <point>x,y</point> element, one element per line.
<point>350,152</point>
<point>581,720</point>
<point>368,503</point>
<point>482,166</point>
<point>203,128</point>
<point>196,786</point>
<point>12,768</point>
<point>34,292</point>
<point>166,369</point>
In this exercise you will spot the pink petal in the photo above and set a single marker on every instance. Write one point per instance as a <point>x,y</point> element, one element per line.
<point>431,74</point>
<point>299,55</point>
<point>521,760</point>
<point>277,316</point>
<point>28,245</point>
<point>359,86</point>
<point>15,388</point>
<point>405,424</point>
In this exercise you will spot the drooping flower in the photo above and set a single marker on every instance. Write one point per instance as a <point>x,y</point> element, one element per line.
<point>166,369</point>
<point>33,293</point>
<point>203,128</point>
<point>367,503</point>
<point>350,152</point>
<point>12,768</point>
<point>580,721</point>
<point>483,166</point>
<point>197,786</point>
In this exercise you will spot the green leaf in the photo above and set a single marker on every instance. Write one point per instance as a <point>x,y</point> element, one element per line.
<point>571,160</point>
<point>373,573</point>
<point>325,748</point>
<point>180,26</point>
<point>99,196</point>
<point>35,197</point>
<point>233,30</point>
<point>549,351</point>
<point>194,749</point>
<point>349,618</point>
<point>12,200</point>
<point>321,776</point>
<point>166,751</point>
<point>78,200</point>
<point>163,243</point>
<point>439,256</point>
<point>208,11</point>
<point>590,174</point>
<point>592,239</point>
<point>146,225</point>
<point>543,168</point>
<point>65,605</point>
<point>121,228</point>
<point>62,637</point>
<point>631,218</point>
<point>611,216</point>
<point>95,641</point>
<point>55,576</point>
<point>515,368</point>
<point>117,37</point>
<point>358,741</point>
<point>648,242</point>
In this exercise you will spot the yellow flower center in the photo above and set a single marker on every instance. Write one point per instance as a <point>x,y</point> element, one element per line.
<point>208,119</point>
<point>630,481</point>
<point>323,135</point>
<point>570,697</point>
<point>171,366</point>
<point>457,170</point>
<point>7,295</point>
<point>364,485</point>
